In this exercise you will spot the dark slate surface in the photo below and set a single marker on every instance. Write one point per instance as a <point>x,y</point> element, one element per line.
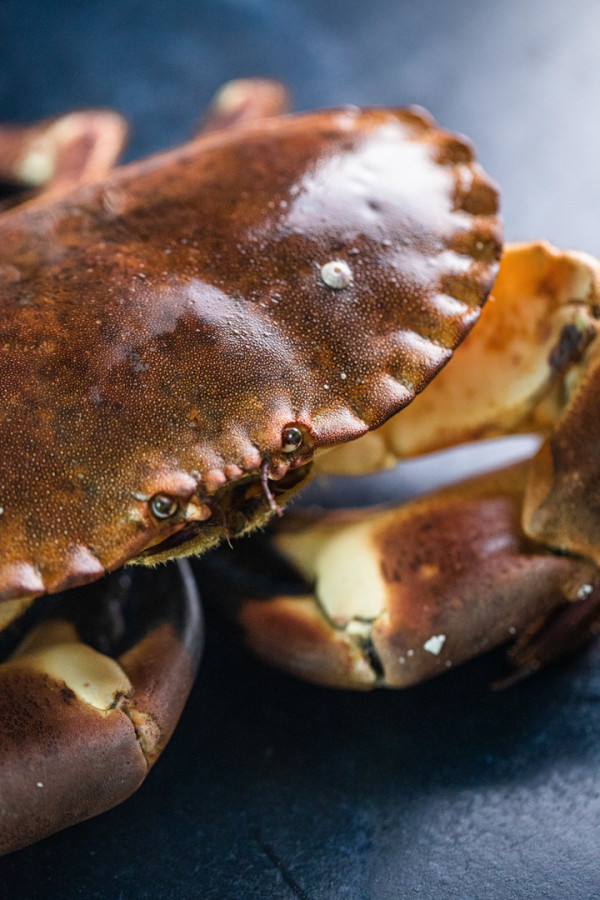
<point>274,789</point>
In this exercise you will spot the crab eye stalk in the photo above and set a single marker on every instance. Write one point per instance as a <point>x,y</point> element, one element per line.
<point>291,439</point>
<point>163,507</point>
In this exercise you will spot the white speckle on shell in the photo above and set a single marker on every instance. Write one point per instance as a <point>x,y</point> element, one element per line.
<point>584,591</point>
<point>435,643</point>
<point>336,274</point>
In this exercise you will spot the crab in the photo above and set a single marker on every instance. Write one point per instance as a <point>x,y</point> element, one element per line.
<point>185,341</point>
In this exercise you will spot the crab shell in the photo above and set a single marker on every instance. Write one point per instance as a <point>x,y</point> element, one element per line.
<point>178,339</point>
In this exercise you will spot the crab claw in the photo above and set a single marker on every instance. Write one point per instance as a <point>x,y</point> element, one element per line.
<point>80,725</point>
<point>394,597</point>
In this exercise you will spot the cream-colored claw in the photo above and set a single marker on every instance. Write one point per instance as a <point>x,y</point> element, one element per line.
<point>451,575</point>
<point>79,729</point>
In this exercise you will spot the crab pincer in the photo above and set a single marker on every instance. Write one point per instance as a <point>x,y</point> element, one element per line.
<point>90,693</point>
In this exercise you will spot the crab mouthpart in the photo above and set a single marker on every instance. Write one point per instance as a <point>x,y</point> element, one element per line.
<point>237,507</point>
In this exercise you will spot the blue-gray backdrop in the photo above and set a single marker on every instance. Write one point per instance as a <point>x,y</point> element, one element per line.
<point>272,789</point>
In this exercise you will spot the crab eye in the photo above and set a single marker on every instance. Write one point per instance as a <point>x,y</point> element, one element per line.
<point>163,506</point>
<point>336,274</point>
<point>291,439</point>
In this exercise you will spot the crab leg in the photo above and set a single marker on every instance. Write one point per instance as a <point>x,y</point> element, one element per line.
<point>562,506</point>
<point>81,726</point>
<point>396,596</point>
<point>53,157</point>
<point>245,100</point>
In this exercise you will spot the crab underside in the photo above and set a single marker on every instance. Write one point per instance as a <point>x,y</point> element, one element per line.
<point>185,341</point>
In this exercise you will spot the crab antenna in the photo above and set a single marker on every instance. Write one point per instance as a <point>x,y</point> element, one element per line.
<point>264,480</point>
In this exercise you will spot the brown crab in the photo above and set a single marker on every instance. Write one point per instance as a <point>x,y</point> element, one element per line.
<point>183,339</point>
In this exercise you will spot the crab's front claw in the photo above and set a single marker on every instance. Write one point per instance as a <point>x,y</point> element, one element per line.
<point>394,597</point>
<point>80,725</point>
